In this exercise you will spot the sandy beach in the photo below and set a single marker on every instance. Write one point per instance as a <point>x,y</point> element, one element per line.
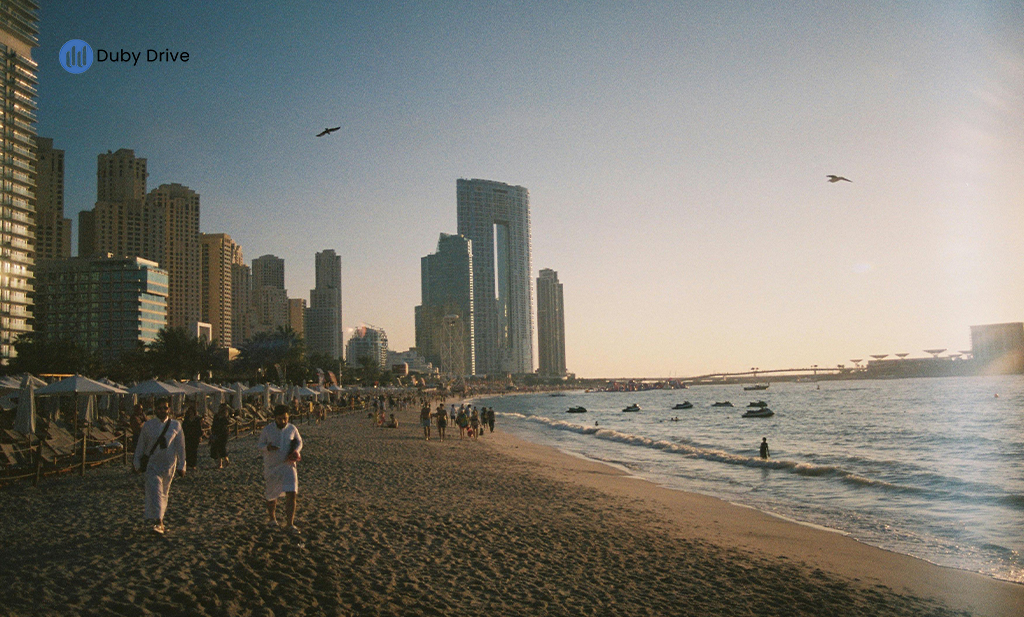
<point>395,525</point>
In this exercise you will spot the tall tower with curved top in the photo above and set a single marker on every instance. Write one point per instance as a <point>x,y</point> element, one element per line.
<point>496,217</point>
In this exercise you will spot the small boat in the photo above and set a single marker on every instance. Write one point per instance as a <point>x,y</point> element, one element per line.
<point>721,404</point>
<point>633,407</point>
<point>757,386</point>
<point>576,410</point>
<point>556,394</point>
<point>684,405</point>
<point>758,404</point>
<point>758,412</point>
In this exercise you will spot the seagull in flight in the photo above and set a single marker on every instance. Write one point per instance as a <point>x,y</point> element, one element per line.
<point>833,179</point>
<point>327,131</point>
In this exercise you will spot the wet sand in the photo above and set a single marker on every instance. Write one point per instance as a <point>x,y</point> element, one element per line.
<point>395,525</point>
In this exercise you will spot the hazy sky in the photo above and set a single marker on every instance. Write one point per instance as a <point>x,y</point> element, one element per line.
<point>675,155</point>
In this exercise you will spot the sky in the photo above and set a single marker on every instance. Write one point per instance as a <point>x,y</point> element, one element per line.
<point>675,154</point>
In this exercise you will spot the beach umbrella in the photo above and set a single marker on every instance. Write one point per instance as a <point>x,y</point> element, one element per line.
<point>8,382</point>
<point>36,382</point>
<point>304,392</point>
<point>25,422</point>
<point>153,387</point>
<point>77,384</point>
<point>261,389</point>
<point>87,409</point>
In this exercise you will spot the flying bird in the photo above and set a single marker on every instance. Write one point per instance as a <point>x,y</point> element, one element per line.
<point>327,131</point>
<point>833,179</point>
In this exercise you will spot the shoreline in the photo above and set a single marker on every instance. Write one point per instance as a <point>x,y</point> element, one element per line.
<point>394,524</point>
<point>748,528</point>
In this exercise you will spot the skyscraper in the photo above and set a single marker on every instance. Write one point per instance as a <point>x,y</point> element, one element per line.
<point>18,35</point>
<point>161,226</point>
<point>218,256</point>
<point>268,271</point>
<point>550,324</point>
<point>241,301</point>
<point>446,291</point>
<point>297,315</point>
<point>178,206</point>
<point>269,298</point>
<point>496,218</point>
<point>324,334</point>
<point>53,231</point>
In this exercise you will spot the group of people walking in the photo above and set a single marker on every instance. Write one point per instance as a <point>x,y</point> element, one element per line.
<point>468,418</point>
<point>165,448</point>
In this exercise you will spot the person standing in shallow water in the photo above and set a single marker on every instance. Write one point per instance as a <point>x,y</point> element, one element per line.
<point>764,447</point>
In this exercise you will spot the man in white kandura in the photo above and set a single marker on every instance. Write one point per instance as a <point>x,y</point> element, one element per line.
<point>162,441</point>
<point>281,445</point>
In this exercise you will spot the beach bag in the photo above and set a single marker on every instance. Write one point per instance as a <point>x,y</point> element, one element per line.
<point>293,454</point>
<point>144,461</point>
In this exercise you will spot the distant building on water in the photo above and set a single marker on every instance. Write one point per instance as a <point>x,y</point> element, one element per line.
<point>998,349</point>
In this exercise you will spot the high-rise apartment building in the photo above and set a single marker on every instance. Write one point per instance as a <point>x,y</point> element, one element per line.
<point>161,226</point>
<point>106,304</point>
<point>18,36</point>
<point>122,223</point>
<point>268,271</point>
<point>241,302</point>
<point>370,343</point>
<point>445,322</point>
<point>550,324</point>
<point>324,334</point>
<point>270,307</point>
<point>53,231</point>
<point>218,254</point>
<point>297,316</point>
<point>179,206</point>
<point>496,218</point>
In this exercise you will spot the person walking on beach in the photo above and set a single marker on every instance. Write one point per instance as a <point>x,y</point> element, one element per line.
<point>162,445</point>
<point>281,445</point>
<point>192,427</point>
<point>137,420</point>
<point>462,421</point>
<point>474,424</point>
<point>425,420</point>
<point>764,447</point>
<point>442,421</point>
<point>490,418</point>
<point>219,436</point>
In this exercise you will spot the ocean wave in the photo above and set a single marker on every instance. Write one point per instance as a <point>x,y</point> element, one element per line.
<point>719,456</point>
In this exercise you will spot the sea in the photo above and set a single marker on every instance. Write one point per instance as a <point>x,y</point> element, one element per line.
<point>932,468</point>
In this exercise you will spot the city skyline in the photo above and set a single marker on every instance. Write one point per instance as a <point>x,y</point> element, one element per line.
<point>676,160</point>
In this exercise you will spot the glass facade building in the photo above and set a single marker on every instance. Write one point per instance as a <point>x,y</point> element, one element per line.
<point>18,36</point>
<point>496,218</point>
<point>105,304</point>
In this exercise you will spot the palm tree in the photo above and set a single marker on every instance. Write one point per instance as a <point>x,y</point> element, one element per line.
<point>177,354</point>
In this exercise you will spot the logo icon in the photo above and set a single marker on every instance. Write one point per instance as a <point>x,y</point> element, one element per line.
<point>76,56</point>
